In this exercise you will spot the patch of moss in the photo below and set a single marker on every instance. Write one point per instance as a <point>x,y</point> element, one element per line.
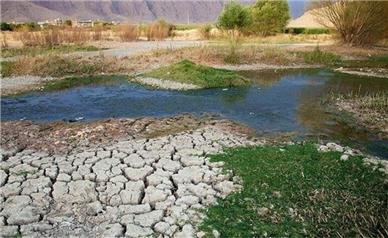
<point>203,76</point>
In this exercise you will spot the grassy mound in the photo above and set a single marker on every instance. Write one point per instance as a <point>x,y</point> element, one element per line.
<point>296,191</point>
<point>200,75</point>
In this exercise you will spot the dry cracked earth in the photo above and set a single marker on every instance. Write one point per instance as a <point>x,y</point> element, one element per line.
<point>132,187</point>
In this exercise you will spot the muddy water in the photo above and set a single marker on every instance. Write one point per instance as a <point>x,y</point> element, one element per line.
<point>277,102</point>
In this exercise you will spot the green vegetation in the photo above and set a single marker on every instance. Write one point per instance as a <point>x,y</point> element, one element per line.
<point>308,31</point>
<point>317,56</point>
<point>41,50</point>
<point>380,61</point>
<point>269,17</point>
<point>234,17</point>
<point>203,76</point>
<point>72,82</point>
<point>375,102</point>
<point>6,68</point>
<point>296,191</point>
<point>60,66</point>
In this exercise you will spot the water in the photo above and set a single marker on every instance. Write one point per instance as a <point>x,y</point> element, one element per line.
<point>281,102</point>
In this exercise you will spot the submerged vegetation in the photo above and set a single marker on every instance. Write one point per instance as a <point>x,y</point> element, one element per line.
<point>72,82</point>
<point>200,75</point>
<point>295,190</point>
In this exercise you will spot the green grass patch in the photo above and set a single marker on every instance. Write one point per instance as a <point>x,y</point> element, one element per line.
<point>203,76</point>
<point>296,191</point>
<point>72,82</point>
<point>44,50</point>
<point>317,56</point>
<point>5,68</point>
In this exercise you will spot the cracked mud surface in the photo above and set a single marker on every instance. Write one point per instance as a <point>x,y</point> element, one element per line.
<point>133,187</point>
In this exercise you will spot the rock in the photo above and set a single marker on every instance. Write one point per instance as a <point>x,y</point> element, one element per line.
<point>192,160</point>
<point>138,174</point>
<point>188,200</point>
<point>131,196</point>
<point>225,187</point>
<point>334,147</point>
<point>168,165</point>
<point>18,210</point>
<point>135,209</point>
<point>344,157</point>
<point>263,211</point>
<point>149,219</point>
<point>64,177</point>
<point>187,231</point>
<point>216,234</point>
<point>82,191</point>
<point>153,195</point>
<point>9,231</point>
<point>94,208</point>
<point>162,227</point>
<point>113,230</point>
<point>3,177</point>
<point>135,161</point>
<point>137,231</point>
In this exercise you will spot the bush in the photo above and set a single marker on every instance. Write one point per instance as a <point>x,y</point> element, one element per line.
<point>159,30</point>
<point>128,32</point>
<point>6,26</point>
<point>204,31</point>
<point>269,17</point>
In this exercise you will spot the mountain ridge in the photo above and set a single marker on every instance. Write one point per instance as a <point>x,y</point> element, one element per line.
<point>175,11</point>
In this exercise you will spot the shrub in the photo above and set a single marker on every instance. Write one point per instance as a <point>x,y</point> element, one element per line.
<point>159,30</point>
<point>204,31</point>
<point>6,26</point>
<point>128,32</point>
<point>357,23</point>
<point>269,17</point>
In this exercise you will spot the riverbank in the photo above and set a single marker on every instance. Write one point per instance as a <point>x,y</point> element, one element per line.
<point>369,111</point>
<point>250,57</point>
<point>149,176</point>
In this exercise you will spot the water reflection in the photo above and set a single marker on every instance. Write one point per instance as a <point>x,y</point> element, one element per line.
<point>280,101</point>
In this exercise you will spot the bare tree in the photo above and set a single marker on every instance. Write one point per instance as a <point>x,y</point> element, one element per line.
<point>357,23</point>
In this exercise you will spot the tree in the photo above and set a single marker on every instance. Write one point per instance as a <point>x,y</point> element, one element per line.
<point>233,18</point>
<point>68,22</point>
<point>269,17</point>
<point>357,23</point>
<point>6,26</point>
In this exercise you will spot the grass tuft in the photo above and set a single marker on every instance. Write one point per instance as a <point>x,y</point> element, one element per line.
<point>317,56</point>
<point>203,76</point>
<point>297,191</point>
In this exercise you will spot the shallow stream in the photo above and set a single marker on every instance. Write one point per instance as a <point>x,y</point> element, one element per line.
<point>277,102</point>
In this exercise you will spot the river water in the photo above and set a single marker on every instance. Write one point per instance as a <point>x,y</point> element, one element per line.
<point>277,102</point>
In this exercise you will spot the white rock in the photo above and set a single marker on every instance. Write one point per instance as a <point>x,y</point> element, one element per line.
<point>138,231</point>
<point>138,174</point>
<point>149,219</point>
